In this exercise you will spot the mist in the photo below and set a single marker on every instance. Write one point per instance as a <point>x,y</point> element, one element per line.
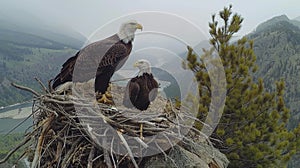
<point>86,17</point>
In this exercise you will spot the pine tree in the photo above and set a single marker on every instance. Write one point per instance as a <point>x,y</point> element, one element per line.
<point>253,127</point>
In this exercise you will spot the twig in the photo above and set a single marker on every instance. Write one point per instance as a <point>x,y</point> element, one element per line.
<point>99,156</point>
<point>141,142</point>
<point>128,149</point>
<point>166,156</point>
<point>70,153</point>
<point>111,152</point>
<point>90,158</point>
<point>42,85</point>
<point>59,149</point>
<point>105,153</point>
<point>26,89</point>
<point>49,110</point>
<point>37,154</point>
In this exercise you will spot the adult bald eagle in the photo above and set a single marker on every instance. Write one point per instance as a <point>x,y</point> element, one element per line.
<point>142,89</point>
<point>99,60</point>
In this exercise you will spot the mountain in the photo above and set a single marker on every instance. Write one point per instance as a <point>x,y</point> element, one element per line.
<point>273,21</point>
<point>24,22</point>
<point>24,56</point>
<point>31,47</point>
<point>277,48</point>
<point>297,18</point>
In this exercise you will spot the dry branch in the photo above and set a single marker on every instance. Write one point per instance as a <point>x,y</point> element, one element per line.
<point>25,88</point>
<point>72,131</point>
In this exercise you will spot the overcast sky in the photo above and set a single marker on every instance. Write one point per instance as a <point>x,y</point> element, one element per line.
<point>87,16</point>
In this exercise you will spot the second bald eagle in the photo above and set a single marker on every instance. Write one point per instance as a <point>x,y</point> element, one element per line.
<point>142,89</point>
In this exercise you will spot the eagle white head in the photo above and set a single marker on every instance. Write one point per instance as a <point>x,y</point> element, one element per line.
<point>127,30</point>
<point>143,66</point>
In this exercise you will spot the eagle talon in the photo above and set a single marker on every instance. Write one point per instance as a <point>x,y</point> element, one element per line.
<point>108,90</point>
<point>108,95</point>
<point>104,100</point>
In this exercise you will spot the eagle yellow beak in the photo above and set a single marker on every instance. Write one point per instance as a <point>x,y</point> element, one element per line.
<point>135,64</point>
<point>139,26</point>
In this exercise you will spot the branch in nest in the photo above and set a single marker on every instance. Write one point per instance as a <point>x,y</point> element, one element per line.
<point>90,158</point>
<point>71,153</point>
<point>47,109</point>
<point>26,89</point>
<point>128,149</point>
<point>105,153</point>
<point>46,127</point>
<point>42,85</point>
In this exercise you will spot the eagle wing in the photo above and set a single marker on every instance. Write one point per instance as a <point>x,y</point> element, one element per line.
<point>113,57</point>
<point>131,93</point>
<point>94,58</point>
<point>66,71</point>
<point>84,64</point>
<point>108,65</point>
<point>153,87</point>
<point>134,89</point>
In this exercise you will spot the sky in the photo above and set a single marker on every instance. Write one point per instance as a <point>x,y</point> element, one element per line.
<point>88,16</point>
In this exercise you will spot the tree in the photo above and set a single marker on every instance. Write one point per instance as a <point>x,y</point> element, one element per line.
<point>253,128</point>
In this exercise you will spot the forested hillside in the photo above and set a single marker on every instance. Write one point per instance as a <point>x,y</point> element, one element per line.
<point>277,48</point>
<point>24,56</point>
<point>7,143</point>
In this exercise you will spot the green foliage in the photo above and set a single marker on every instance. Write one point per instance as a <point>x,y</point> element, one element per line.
<point>253,127</point>
<point>277,46</point>
<point>21,64</point>
<point>25,56</point>
<point>8,143</point>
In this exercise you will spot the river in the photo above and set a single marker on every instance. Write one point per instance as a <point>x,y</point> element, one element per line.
<point>11,116</point>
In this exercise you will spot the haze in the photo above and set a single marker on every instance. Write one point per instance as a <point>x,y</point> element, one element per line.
<point>87,16</point>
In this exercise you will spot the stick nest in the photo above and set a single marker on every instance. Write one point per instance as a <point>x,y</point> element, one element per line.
<point>70,130</point>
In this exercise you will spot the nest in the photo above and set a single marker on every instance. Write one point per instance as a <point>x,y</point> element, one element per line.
<point>70,130</point>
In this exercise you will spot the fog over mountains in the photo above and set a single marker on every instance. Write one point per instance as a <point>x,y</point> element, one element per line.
<point>26,23</point>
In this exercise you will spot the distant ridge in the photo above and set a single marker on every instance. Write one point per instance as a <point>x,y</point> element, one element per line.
<point>297,18</point>
<point>26,23</point>
<point>275,20</point>
<point>277,48</point>
<point>271,22</point>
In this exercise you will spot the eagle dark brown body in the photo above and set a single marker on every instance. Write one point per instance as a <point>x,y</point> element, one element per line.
<point>140,91</point>
<point>98,60</point>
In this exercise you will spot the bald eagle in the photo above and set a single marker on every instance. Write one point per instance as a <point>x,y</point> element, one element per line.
<point>142,89</point>
<point>99,60</point>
